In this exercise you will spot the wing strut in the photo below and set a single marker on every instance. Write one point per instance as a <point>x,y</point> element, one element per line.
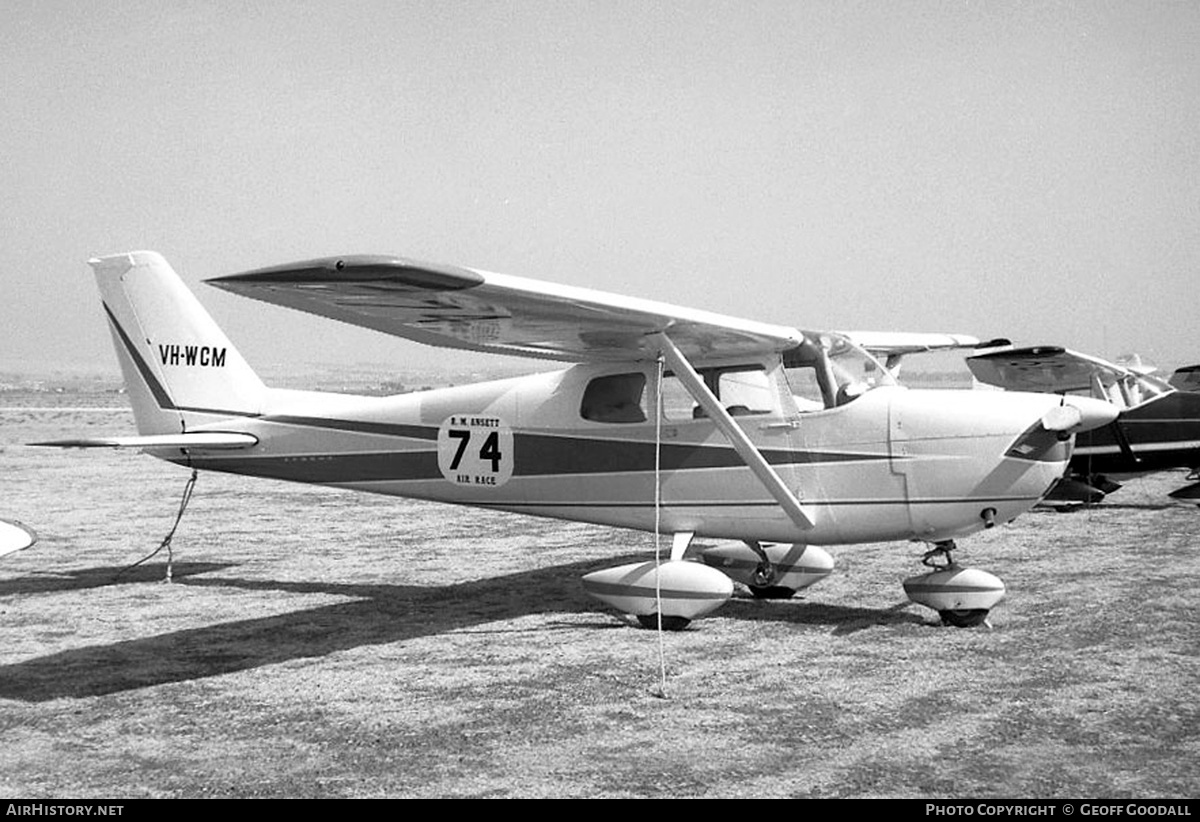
<point>741,443</point>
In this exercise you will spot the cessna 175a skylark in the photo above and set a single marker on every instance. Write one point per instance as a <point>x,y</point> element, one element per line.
<point>671,420</point>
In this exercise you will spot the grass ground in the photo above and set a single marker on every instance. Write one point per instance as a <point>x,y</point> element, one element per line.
<point>321,643</point>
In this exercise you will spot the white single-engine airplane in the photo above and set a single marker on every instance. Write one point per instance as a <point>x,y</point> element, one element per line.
<point>670,419</point>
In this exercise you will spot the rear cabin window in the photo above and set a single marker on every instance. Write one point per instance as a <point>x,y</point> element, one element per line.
<point>615,398</point>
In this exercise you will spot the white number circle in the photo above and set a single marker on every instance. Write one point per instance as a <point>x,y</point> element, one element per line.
<point>475,450</point>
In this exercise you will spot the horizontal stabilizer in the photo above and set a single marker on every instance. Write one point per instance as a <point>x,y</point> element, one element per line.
<point>198,441</point>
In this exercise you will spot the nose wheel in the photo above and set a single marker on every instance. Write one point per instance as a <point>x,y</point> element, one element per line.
<point>954,617</point>
<point>963,597</point>
<point>965,617</point>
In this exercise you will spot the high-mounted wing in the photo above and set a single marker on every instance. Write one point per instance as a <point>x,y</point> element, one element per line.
<point>477,310</point>
<point>892,346</point>
<point>1055,370</point>
<point>1045,369</point>
<point>898,343</point>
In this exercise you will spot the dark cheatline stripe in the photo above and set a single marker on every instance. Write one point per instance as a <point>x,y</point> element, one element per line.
<point>329,469</point>
<point>538,454</point>
<point>535,454</point>
<point>419,432</point>
<point>564,459</point>
<point>156,388</point>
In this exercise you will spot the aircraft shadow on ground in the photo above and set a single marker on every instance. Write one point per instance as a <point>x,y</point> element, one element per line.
<point>1110,506</point>
<point>844,619</point>
<point>82,580</point>
<point>378,614</point>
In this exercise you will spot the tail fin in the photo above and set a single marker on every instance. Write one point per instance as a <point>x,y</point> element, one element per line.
<point>180,369</point>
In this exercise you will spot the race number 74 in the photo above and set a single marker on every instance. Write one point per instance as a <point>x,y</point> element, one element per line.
<point>489,451</point>
<point>475,450</point>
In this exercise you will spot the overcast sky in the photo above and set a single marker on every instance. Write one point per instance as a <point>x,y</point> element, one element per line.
<point>995,168</point>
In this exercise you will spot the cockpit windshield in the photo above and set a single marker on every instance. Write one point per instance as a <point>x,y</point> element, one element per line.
<point>828,370</point>
<point>1131,390</point>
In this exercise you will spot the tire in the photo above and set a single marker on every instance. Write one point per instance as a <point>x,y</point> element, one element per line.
<point>771,591</point>
<point>669,623</point>
<point>964,618</point>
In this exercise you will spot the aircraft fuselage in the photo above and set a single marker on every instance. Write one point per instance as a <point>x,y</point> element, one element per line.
<point>892,464</point>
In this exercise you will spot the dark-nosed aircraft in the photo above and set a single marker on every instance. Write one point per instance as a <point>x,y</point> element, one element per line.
<point>770,440</point>
<point>1158,427</point>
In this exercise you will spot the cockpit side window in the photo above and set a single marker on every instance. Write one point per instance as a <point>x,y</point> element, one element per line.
<point>806,387</point>
<point>615,398</point>
<point>742,389</point>
<point>827,372</point>
<point>810,377</point>
<point>745,391</point>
